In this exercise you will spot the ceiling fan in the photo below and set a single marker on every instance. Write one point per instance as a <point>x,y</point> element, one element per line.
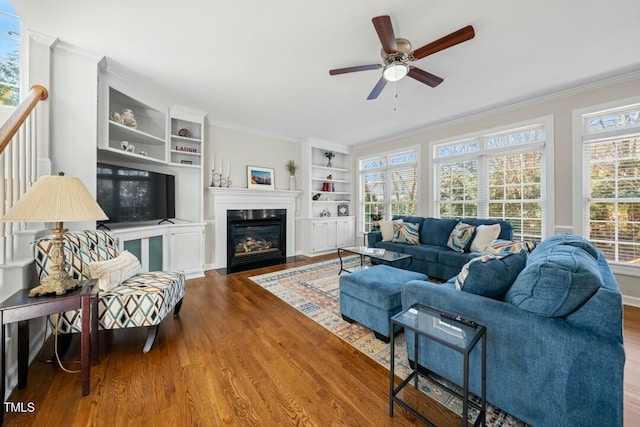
<point>396,53</point>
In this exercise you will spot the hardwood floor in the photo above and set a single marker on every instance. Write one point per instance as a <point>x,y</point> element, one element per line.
<point>238,356</point>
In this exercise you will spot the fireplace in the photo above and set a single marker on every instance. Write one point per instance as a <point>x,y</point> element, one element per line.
<point>255,238</point>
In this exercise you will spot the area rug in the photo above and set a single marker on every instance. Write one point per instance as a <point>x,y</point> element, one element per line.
<point>313,290</point>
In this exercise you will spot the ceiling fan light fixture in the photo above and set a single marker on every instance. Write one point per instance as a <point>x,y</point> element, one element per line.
<point>395,71</point>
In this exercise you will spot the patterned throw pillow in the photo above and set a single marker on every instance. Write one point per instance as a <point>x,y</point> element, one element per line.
<point>499,246</point>
<point>406,232</point>
<point>460,236</point>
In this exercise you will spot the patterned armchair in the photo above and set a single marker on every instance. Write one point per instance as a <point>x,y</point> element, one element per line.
<point>143,300</point>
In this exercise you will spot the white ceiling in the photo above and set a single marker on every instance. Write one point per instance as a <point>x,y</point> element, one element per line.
<point>263,65</point>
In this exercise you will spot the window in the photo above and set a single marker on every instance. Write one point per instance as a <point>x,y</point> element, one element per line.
<point>9,55</point>
<point>610,205</point>
<point>497,175</point>
<point>388,186</point>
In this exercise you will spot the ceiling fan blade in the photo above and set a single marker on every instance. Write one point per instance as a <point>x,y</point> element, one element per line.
<point>384,29</point>
<point>424,77</point>
<point>354,69</point>
<point>457,37</point>
<point>377,89</point>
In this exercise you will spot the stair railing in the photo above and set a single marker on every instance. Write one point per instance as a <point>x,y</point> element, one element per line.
<point>18,163</point>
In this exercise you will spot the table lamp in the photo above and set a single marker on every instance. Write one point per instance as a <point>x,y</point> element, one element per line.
<point>56,199</point>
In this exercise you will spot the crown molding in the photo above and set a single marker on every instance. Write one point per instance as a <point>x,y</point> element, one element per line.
<point>44,39</point>
<point>67,47</point>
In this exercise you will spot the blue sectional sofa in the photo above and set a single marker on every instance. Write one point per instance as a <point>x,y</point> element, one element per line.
<point>555,354</point>
<point>432,256</point>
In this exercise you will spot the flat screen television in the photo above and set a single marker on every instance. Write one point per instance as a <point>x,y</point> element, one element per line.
<point>134,195</point>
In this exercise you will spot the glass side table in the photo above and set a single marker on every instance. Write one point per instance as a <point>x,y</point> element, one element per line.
<point>427,323</point>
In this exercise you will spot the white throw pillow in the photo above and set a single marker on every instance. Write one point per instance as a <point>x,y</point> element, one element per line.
<point>112,272</point>
<point>484,235</point>
<point>386,227</point>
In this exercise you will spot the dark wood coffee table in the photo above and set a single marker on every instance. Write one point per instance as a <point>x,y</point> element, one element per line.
<point>385,256</point>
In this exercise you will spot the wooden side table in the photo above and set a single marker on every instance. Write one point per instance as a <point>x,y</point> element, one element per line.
<point>19,307</point>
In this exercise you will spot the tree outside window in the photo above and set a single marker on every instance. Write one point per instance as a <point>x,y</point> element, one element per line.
<point>497,176</point>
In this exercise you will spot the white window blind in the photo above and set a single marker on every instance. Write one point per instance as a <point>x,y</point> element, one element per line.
<point>611,182</point>
<point>388,186</point>
<point>498,176</point>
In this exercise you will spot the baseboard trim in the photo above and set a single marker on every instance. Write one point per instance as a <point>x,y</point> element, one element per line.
<point>632,301</point>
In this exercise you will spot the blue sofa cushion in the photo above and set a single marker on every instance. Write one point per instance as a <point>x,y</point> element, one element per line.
<point>425,252</point>
<point>568,240</point>
<point>556,282</point>
<point>455,259</point>
<point>460,237</point>
<point>491,275</point>
<point>406,232</point>
<point>436,231</point>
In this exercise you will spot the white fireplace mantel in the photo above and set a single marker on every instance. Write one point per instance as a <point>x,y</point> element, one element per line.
<point>224,199</point>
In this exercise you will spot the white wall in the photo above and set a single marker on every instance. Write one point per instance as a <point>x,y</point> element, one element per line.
<point>74,115</point>
<point>560,106</point>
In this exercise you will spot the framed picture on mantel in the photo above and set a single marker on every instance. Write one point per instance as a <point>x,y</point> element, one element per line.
<point>259,178</point>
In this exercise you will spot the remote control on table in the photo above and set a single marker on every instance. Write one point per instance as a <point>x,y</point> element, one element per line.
<point>460,319</point>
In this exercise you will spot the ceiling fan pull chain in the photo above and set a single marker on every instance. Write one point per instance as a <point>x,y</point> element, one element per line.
<point>395,95</point>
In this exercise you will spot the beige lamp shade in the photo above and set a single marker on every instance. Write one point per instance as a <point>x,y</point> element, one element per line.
<point>56,199</point>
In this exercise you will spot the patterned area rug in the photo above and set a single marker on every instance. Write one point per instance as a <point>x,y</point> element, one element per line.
<point>313,290</point>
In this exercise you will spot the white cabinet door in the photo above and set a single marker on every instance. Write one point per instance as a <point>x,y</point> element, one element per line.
<point>345,231</point>
<point>324,235</point>
<point>186,250</point>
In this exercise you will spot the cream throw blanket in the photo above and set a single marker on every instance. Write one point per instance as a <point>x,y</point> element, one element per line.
<point>112,272</point>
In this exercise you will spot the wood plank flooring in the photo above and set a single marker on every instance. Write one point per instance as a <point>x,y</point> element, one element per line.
<point>238,356</point>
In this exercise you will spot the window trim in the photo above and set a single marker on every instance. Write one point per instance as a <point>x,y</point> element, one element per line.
<point>549,163</point>
<point>579,171</point>
<point>409,149</point>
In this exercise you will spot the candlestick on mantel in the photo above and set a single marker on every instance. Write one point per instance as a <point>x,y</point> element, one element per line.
<point>213,161</point>
<point>228,167</point>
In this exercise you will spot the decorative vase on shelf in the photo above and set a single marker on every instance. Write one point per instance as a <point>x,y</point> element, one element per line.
<point>127,119</point>
<point>292,182</point>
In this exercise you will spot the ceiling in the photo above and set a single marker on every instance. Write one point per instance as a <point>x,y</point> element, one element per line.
<point>263,65</point>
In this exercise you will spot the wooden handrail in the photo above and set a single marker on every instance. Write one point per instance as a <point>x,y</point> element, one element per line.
<point>11,126</point>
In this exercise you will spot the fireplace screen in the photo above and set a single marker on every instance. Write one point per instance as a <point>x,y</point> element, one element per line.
<point>255,238</point>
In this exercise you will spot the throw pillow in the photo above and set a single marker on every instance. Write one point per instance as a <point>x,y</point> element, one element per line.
<point>460,236</point>
<point>491,275</point>
<point>556,282</point>
<point>386,228</point>
<point>484,235</point>
<point>499,246</point>
<point>112,272</point>
<point>406,232</point>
